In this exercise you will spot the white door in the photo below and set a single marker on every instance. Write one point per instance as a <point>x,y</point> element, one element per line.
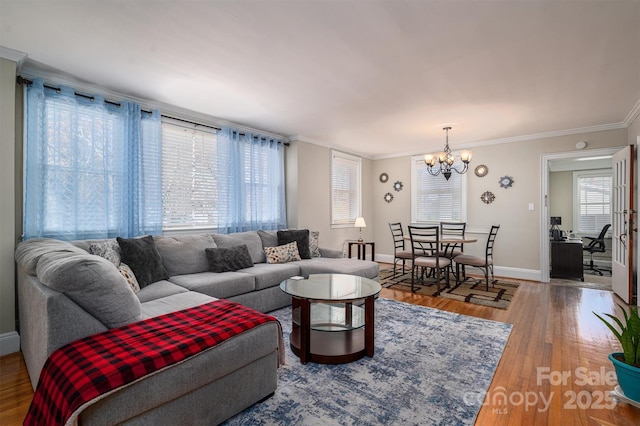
<point>622,224</point>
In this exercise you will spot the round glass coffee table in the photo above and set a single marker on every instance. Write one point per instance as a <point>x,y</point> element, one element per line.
<point>332,317</point>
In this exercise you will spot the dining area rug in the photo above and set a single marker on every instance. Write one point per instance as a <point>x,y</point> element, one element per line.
<point>473,290</point>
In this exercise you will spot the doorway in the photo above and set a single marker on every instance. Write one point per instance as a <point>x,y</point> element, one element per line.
<point>568,162</point>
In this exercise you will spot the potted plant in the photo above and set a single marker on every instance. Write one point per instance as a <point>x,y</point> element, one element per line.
<point>627,362</point>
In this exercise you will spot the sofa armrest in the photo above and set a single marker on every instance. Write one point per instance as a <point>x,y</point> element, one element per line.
<point>331,253</point>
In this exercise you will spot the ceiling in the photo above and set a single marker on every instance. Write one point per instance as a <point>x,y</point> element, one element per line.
<point>378,78</point>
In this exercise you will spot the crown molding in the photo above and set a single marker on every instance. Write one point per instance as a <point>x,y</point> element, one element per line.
<point>32,71</point>
<point>633,114</point>
<point>12,55</point>
<point>301,138</point>
<point>523,138</point>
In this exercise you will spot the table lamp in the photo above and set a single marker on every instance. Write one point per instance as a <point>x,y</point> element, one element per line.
<point>360,224</point>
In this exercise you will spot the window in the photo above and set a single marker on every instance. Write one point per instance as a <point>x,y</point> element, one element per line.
<point>189,177</point>
<point>221,180</point>
<point>593,200</point>
<point>98,169</point>
<point>435,199</point>
<point>346,192</point>
<point>84,175</point>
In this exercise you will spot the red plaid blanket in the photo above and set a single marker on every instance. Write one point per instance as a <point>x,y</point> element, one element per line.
<point>82,371</point>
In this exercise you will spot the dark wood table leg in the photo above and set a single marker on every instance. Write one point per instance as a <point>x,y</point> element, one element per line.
<point>369,321</point>
<point>305,330</point>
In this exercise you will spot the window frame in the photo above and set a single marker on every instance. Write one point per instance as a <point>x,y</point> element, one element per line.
<point>418,165</point>
<point>577,202</point>
<point>357,163</point>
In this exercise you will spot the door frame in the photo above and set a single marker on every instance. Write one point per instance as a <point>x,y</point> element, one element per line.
<point>544,199</point>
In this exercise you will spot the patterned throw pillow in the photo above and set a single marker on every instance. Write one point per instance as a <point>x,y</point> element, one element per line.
<point>314,248</point>
<point>128,275</point>
<point>282,254</point>
<point>109,249</point>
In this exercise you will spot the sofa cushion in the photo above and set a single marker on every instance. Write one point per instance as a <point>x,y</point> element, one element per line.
<point>143,258</point>
<point>250,238</point>
<point>268,238</point>
<point>301,236</point>
<point>323,265</point>
<point>184,254</point>
<point>270,275</point>
<point>175,302</point>
<point>93,283</point>
<point>158,290</point>
<point>282,254</point>
<point>220,285</point>
<point>29,252</point>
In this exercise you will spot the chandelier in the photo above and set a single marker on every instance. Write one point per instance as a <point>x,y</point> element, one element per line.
<point>446,160</point>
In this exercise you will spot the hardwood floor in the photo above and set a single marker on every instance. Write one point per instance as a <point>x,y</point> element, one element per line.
<point>554,332</point>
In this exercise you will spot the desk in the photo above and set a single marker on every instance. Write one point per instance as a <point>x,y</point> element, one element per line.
<point>362,249</point>
<point>566,259</point>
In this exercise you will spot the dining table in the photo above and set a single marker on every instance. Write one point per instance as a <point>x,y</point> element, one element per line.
<point>449,241</point>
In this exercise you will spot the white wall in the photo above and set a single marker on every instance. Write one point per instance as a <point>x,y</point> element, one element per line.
<point>561,198</point>
<point>517,250</point>
<point>9,339</point>
<point>309,194</point>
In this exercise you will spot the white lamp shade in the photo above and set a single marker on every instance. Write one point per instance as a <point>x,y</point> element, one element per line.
<point>360,223</point>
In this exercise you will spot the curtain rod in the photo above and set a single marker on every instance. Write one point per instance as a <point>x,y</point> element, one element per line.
<point>26,81</point>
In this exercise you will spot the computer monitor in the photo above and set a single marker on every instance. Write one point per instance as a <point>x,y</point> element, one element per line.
<point>556,220</point>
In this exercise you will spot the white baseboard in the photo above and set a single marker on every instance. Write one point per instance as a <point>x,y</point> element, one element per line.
<point>501,271</point>
<point>9,343</point>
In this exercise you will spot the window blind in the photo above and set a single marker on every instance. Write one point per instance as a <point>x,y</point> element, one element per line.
<point>345,188</point>
<point>435,199</point>
<point>189,178</point>
<point>594,199</point>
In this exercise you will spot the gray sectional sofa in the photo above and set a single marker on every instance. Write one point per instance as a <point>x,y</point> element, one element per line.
<point>66,293</point>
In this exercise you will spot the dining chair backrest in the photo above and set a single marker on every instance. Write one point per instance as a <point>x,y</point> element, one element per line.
<point>398,235</point>
<point>490,241</point>
<point>425,240</point>
<point>453,228</point>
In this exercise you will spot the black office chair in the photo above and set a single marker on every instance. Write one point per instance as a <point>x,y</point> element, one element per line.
<point>596,245</point>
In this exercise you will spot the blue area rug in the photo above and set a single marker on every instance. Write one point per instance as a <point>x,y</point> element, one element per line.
<point>430,367</point>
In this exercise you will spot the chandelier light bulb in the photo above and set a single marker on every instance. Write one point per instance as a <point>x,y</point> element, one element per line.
<point>446,160</point>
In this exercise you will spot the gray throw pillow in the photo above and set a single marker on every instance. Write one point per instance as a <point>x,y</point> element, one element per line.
<point>143,258</point>
<point>229,259</point>
<point>301,236</point>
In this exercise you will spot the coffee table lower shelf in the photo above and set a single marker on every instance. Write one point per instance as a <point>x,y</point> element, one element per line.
<point>331,347</point>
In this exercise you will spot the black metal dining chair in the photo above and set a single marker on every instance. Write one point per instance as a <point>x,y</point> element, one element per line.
<point>483,263</point>
<point>399,251</point>
<point>425,245</point>
<point>452,228</point>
